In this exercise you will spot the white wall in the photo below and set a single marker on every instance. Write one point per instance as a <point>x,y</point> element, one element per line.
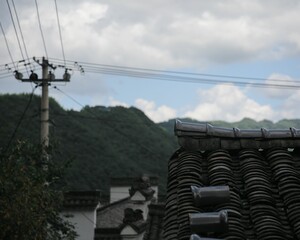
<point>118,193</point>
<point>84,222</point>
<point>155,188</point>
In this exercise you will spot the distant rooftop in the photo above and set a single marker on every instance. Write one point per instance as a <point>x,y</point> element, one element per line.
<point>81,199</point>
<point>127,181</point>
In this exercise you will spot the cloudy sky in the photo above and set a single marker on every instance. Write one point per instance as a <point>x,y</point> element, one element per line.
<point>253,39</point>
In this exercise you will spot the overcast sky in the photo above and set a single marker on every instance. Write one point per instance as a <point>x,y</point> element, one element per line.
<point>227,37</point>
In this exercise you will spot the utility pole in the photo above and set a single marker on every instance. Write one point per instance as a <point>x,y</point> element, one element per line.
<point>47,78</point>
<point>45,105</point>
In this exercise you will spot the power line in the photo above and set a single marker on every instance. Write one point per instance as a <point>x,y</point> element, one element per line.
<point>60,36</point>
<point>174,78</point>
<point>112,127</point>
<point>20,121</point>
<point>70,97</point>
<point>9,52</point>
<point>41,30</point>
<point>183,77</point>
<point>180,76</point>
<point>7,67</point>
<point>107,66</point>
<point>21,33</point>
<point>7,70</point>
<point>17,35</point>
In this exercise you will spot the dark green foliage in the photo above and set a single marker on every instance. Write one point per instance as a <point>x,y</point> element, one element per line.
<point>103,142</point>
<point>29,198</point>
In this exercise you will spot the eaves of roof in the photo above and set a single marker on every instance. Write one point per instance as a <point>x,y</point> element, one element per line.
<point>111,215</point>
<point>81,199</point>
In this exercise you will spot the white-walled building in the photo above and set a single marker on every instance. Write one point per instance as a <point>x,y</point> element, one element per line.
<point>125,219</point>
<point>80,208</point>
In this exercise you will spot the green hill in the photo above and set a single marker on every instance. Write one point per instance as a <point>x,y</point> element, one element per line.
<point>103,142</point>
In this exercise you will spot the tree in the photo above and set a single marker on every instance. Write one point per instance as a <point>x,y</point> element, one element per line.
<point>30,196</point>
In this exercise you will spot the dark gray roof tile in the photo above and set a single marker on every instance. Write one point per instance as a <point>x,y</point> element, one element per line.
<point>261,169</point>
<point>154,230</point>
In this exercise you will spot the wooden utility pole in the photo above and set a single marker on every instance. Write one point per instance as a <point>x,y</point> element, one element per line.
<point>45,105</point>
<point>47,78</point>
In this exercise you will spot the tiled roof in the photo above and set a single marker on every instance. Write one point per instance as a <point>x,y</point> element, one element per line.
<point>81,199</point>
<point>112,218</point>
<point>261,169</point>
<point>143,185</point>
<point>195,136</point>
<point>154,230</point>
<point>111,215</point>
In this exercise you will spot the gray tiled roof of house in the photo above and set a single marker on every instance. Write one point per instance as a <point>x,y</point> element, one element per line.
<point>261,170</point>
<point>111,215</point>
<point>112,218</point>
<point>81,199</point>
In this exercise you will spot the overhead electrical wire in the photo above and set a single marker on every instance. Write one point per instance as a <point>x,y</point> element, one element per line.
<point>108,124</point>
<point>9,52</point>
<point>6,65</point>
<point>40,26</point>
<point>20,121</point>
<point>7,70</point>
<point>70,97</point>
<point>179,76</point>
<point>166,75</point>
<point>87,64</point>
<point>22,36</point>
<point>16,32</point>
<point>60,35</point>
<point>9,67</point>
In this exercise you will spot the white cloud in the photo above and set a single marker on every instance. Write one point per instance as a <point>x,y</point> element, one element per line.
<point>157,114</point>
<point>289,107</point>
<point>113,102</point>
<point>279,79</point>
<point>229,103</point>
<point>163,34</point>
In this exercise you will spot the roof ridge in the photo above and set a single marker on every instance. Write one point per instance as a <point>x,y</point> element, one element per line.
<point>203,130</point>
<point>113,203</point>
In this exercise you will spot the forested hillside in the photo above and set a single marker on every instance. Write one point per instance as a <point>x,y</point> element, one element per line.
<point>103,142</point>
